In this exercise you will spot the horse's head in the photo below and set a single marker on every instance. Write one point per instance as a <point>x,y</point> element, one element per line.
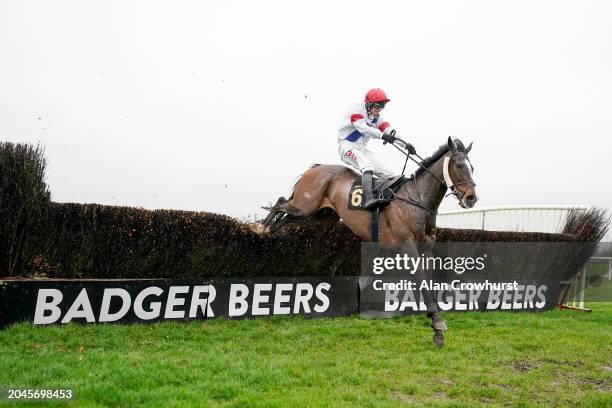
<point>458,173</point>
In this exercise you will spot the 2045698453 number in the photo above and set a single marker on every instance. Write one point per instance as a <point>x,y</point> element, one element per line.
<point>36,394</point>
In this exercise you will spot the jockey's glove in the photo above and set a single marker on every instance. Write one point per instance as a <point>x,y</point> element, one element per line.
<point>389,137</point>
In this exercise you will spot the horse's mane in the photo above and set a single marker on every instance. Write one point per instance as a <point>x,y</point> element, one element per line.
<point>435,156</point>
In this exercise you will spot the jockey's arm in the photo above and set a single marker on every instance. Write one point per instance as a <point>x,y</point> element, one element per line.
<point>361,125</point>
<point>385,127</point>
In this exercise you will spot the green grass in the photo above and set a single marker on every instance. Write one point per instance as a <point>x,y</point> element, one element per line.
<point>557,358</point>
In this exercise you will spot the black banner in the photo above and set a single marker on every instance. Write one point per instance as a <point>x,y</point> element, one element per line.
<point>129,301</point>
<point>462,277</point>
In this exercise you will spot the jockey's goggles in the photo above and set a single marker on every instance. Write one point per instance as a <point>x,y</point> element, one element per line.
<point>379,105</point>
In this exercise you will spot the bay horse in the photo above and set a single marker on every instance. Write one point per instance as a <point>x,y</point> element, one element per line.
<point>408,219</point>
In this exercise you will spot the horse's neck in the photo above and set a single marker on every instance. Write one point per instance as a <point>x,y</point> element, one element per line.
<point>430,189</point>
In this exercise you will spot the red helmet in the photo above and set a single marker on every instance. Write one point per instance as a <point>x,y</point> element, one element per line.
<point>376,95</point>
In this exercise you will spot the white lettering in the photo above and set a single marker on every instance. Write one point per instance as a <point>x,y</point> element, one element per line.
<point>237,303</point>
<point>43,305</point>
<point>126,301</point>
<point>155,306</point>
<point>322,297</point>
<point>80,308</point>
<point>494,299</point>
<point>197,301</point>
<point>541,296</point>
<point>459,298</point>
<point>506,300</point>
<point>303,294</point>
<point>279,299</point>
<point>530,291</point>
<point>391,300</point>
<point>258,298</point>
<point>174,301</point>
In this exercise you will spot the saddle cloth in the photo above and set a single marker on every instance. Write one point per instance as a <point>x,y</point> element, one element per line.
<point>388,186</point>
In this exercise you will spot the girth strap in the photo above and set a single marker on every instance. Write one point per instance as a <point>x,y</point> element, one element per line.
<point>375,224</point>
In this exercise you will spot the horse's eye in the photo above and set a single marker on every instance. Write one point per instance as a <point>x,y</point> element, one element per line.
<point>460,166</point>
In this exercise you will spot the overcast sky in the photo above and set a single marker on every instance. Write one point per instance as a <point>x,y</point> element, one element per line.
<point>219,106</point>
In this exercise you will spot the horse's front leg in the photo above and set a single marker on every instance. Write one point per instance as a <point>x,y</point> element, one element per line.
<point>423,274</point>
<point>433,312</point>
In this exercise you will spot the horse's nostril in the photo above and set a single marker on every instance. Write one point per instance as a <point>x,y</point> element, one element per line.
<point>470,198</point>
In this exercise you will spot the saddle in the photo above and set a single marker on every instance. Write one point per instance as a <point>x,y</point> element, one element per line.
<point>387,187</point>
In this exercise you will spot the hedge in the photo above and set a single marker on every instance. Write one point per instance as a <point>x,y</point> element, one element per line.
<point>40,238</point>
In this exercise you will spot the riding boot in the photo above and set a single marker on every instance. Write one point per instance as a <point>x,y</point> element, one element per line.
<point>372,196</point>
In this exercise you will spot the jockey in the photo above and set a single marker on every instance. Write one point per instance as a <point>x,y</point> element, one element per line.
<point>361,123</point>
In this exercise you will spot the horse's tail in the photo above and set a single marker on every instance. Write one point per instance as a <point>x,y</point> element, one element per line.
<point>299,178</point>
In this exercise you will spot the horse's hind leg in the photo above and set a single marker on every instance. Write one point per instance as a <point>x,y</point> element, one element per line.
<point>281,221</point>
<point>285,212</point>
<point>304,202</point>
<point>275,211</point>
<point>282,214</point>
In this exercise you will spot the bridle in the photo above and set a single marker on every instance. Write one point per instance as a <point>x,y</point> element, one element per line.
<point>449,182</point>
<point>445,181</point>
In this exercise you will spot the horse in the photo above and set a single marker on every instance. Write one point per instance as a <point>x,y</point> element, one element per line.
<point>405,222</point>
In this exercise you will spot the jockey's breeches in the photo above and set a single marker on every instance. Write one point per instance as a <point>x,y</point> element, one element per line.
<point>360,158</point>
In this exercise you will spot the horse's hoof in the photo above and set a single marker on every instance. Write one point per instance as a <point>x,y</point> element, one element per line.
<point>438,338</point>
<point>439,325</point>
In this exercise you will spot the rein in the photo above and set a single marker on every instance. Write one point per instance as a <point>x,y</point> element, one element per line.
<point>416,204</point>
<point>447,181</point>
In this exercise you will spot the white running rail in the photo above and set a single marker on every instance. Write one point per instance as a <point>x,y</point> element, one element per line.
<point>529,218</point>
